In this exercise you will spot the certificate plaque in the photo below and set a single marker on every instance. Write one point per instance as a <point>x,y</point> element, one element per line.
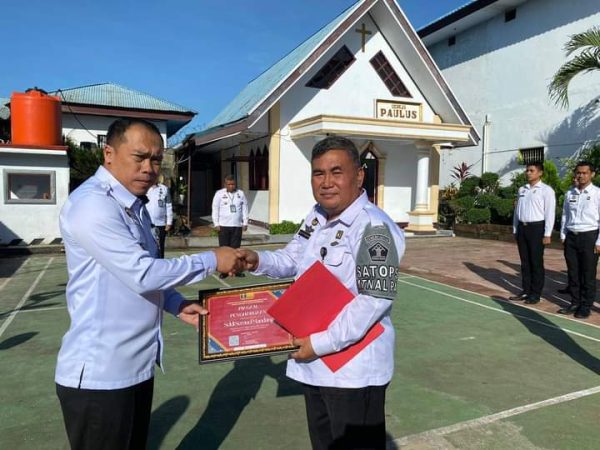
<point>238,326</point>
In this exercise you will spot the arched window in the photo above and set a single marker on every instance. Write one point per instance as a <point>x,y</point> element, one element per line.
<point>263,172</point>
<point>252,171</point>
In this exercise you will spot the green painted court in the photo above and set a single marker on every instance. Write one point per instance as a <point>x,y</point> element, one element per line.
<point>472,372</point>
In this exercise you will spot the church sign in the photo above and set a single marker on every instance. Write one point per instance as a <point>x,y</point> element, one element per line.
<point>401,111</point>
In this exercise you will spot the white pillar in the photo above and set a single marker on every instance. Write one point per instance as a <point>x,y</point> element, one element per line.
<point>421,198</point>
<point>421,219</point>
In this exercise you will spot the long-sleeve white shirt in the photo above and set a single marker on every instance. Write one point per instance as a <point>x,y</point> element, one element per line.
<point>362,248</point>
<point>534,204</point>
<point>159,205</point>
<point>229,209</point>
<point>117,288</point>
<point>581,211</point>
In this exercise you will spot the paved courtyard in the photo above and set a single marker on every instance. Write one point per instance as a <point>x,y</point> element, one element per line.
<point>488,267</point>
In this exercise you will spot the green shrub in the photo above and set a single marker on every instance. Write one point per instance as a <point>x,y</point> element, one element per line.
<point>469,186</point>
<point>462,204</point>
<point>285,227</point>
<point>478,215</point>
<point>507,192</point>
<point>504,207</point>
<point>489,182</point>
<point>486,200</point>
<point>518,180</point>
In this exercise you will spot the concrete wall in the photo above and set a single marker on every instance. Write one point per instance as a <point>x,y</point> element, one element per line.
<point>32,221</point>
<point>502,69</point>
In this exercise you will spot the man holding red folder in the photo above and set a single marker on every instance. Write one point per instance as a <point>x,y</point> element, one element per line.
<point>362,247</point>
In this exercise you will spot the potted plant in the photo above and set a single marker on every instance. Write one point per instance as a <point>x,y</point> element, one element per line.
<point>181,190</point>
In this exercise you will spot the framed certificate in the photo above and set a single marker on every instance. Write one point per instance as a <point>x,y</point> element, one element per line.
<point>237,324</point>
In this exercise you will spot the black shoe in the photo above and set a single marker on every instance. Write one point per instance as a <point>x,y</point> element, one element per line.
<point>532,300</point>
<point>583,312</point>
<point>240,275</point>
<point>564,291</point>
<point>568,309</point>
<point>222,275</point>
<point>519,297</point>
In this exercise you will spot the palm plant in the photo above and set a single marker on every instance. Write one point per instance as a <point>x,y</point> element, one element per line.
<point>588,42</point>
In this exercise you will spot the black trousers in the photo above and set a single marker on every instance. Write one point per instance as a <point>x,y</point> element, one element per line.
<point>530,239</point>
<point>230,237</point>
<point>342,418</point>
<point>582,262</point>
<point>115,419</point>
<point>161,234</point>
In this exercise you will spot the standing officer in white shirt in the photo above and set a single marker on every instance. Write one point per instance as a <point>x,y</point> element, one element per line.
<point>230,215</point>
<point>532,227</point>
<point>116,293</point>
<point>362,246</point>
<point>579,234</point>
<point>160,208</point>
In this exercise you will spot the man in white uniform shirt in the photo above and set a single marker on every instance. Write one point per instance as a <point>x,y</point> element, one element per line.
<point>230,215</point>
<point>117,291</point>
<point>160,208</point>
<point>532,227</point>
<point>361,245</point>
<point>579,234</point>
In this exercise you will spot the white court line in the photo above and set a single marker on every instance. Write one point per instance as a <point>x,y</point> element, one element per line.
<point>5,282</point>
<point>560,316</point>
<point>566,330</point>
<point>49,308</point>
<point>15,311</point>
<point>497,416</point>
<point>221,281</point>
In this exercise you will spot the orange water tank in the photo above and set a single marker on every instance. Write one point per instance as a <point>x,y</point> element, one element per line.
<point>35,118</point>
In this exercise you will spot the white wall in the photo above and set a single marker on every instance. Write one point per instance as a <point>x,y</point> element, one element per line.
<point>258,205</point>
<point>503,69</point>
<point>355,92</point>
<point>400,179</point>
<point>295,193</point>
<point>32,221</point>
<point>95,125</point>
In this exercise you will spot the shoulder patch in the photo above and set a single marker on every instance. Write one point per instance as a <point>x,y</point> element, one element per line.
<point>377,263</point>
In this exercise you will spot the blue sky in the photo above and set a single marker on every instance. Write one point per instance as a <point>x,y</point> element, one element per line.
<point>197,53</point>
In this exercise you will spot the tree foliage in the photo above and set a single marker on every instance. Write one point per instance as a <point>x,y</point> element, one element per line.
<point>83,163</point>
<point>587,44</point>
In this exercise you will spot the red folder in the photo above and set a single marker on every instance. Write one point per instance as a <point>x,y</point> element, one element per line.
<point>311,303</point>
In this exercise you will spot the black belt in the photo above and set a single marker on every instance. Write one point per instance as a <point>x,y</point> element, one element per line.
<point>576,233</point>
<point>526,224</point>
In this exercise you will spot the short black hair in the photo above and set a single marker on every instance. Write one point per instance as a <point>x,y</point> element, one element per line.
<point>537,164</point>
<point>229,178</point>
<point>117,129</point>
<point>584,163</point>
<point>336,143</point>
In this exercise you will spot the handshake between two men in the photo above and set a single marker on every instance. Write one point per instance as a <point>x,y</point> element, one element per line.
<point>231,261</point>
<point>235,260</point>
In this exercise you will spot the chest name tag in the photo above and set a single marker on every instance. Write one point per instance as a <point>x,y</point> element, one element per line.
<point>232,208</point>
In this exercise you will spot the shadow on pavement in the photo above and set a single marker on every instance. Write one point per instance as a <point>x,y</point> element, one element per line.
<point>16,340</point>
<point>164,418</point>
<point>229,398</point>
<point>540,326</point>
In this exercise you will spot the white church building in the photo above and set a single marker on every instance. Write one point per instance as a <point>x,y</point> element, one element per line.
<point>367,76</point>
<point>499,57</point>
